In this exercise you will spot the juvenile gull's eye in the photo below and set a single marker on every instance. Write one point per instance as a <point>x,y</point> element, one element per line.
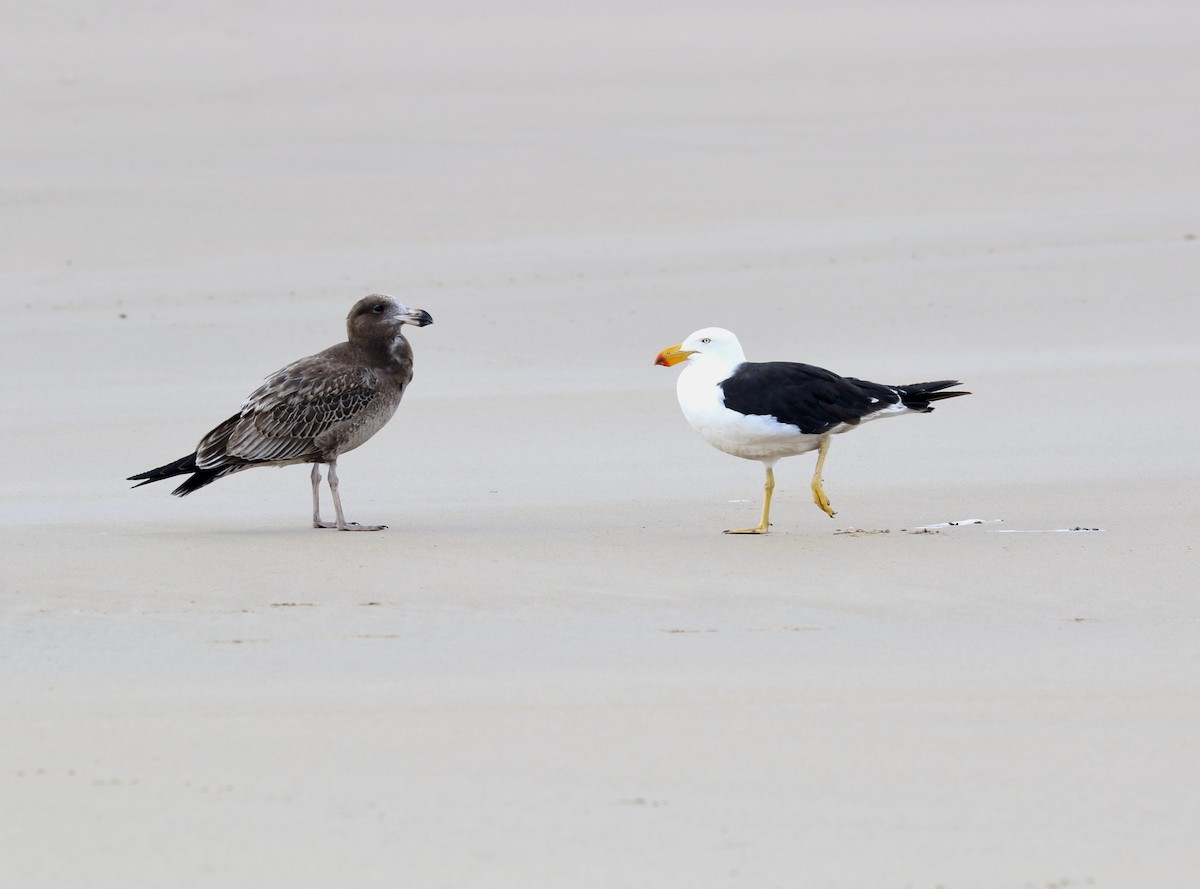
<point>377,308</point>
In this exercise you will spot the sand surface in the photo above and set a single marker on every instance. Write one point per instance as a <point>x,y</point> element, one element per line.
<point>553,670</point>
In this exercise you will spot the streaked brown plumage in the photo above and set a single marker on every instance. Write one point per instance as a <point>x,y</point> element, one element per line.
<point>313,410</point>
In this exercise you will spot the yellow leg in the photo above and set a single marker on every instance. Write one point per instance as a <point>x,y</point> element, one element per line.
<point>765,522</point>
<point>818,490</point>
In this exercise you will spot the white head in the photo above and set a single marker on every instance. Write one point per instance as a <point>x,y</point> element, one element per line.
<point>710,345</point>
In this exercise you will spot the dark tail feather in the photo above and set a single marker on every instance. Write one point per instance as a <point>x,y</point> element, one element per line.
<point>204,477</point>
<point>179,467</point>
<point>212,444</point>
<point>182,466</point>
<point>916,396</point>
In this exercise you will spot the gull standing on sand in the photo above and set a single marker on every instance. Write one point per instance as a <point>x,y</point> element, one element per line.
<point>314,410</point>
<point>769,410</point>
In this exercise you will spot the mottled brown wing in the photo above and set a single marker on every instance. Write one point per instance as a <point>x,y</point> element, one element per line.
<point>282,419</point>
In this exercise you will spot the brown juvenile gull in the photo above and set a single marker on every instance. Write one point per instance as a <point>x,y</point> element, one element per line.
<point>314,410</point>
<point>769,410</point>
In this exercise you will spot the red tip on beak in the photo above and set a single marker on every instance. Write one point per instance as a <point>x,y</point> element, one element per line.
<point>671,356</point>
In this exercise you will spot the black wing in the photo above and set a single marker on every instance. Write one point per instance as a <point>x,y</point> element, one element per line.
<point>812,398</point>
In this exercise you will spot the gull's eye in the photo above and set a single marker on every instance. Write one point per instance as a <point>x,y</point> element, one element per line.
<point>377,308</point>
<point>706,340</point>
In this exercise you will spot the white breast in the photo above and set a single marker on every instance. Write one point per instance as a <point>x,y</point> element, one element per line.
<point>752,437</point>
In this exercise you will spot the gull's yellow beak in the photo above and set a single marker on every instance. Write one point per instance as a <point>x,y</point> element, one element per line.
<point>672,355</point>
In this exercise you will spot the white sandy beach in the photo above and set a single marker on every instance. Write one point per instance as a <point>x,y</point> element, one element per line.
<point>553,670</point>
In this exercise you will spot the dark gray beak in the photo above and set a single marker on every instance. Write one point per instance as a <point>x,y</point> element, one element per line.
<point>419,317</point>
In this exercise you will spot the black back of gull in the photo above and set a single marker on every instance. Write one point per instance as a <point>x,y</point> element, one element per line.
<point>769,410</point>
